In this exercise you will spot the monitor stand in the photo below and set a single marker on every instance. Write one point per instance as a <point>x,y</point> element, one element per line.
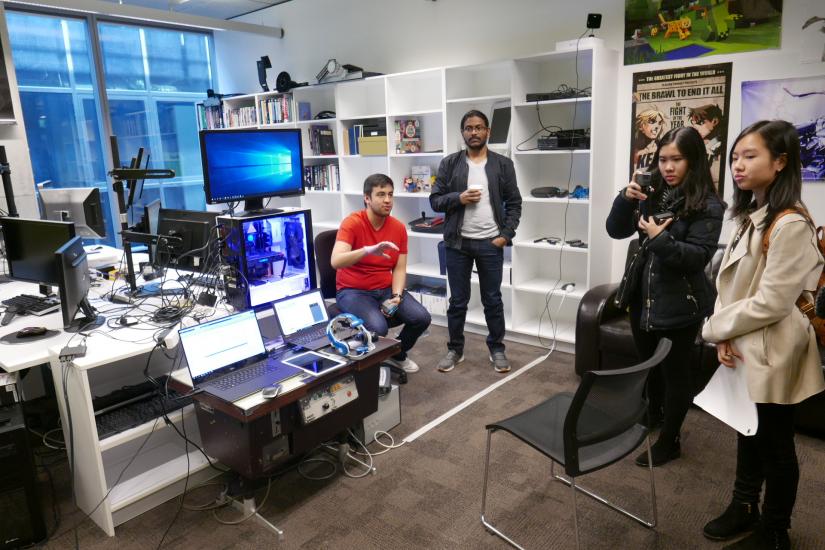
<point>255,207</point>
<point>90,320</point>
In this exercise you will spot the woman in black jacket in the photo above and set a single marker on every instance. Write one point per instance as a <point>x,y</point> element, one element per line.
<point>665,288</point>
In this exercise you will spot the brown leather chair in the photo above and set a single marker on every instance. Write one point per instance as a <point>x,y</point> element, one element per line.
<point>604,339</point>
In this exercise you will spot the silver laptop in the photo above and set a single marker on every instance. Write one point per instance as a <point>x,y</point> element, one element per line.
<point>303,319</point>
<point>227,357</point>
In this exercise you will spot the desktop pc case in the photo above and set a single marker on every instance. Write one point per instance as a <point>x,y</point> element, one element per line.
<point>21,515</point>
<point>270,255</point>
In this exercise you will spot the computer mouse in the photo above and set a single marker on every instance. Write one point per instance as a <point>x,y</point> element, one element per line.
<point>568,287</point>
<point>271,391</point>
<point>29,332</point>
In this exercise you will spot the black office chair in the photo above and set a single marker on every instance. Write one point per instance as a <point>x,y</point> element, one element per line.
<point>324,242</point>
<point>586,431</point>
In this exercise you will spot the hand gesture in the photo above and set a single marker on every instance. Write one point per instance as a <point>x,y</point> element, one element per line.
<point>652,228</point>
<point>470,195</point>
<point>379,248</point>
<point>633,191</point>
<point>725,352</point>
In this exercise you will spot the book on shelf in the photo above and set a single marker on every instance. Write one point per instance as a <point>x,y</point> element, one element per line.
<point>238,117</point>
<point>354,133</point>
<point>421,178</point>
<point>304,110</point>
<point>407,136</point>
<point>406,145</point>
<point>322,177</point>
<point>321,140</point>
<point>277,109</point>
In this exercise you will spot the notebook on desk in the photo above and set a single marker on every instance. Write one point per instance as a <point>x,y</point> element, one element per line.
<point>227,358</point>
<point>302,319</point>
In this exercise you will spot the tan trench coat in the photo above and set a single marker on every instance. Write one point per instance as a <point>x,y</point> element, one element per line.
<point>756,309</point>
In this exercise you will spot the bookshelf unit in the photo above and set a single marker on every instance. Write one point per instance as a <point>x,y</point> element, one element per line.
<point>437,98</point>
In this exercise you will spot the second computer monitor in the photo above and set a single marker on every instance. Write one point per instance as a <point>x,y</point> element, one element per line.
<point>251,164</point>
<point>30,247</point>
<point>73,284</point>
<point>191,240</point>
<point>81,205</point>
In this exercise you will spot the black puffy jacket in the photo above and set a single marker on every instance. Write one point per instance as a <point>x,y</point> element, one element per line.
<point>673,290</point>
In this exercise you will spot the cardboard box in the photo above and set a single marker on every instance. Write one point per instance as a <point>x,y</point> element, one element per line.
<point>372,145</point>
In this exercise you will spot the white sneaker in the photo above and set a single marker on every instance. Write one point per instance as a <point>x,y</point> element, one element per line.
<point>407,364</point>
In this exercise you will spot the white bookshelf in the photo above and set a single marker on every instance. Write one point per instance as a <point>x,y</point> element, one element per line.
<point>438,98</point>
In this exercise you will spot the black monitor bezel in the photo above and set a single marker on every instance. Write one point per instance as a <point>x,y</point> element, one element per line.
<point>207,186</point>
<point>72,231</point>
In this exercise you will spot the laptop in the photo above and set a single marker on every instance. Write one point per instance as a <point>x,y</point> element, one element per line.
<point>302,319</point>
<point>227,357</point>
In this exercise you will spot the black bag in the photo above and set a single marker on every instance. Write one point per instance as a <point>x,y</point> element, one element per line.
<point>425,224</point>
<point>631,278</point>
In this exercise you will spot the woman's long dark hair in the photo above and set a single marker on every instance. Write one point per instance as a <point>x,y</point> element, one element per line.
<point>785,192</point>
<point>697,184</point>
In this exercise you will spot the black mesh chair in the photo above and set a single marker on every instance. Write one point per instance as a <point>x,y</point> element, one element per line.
<point>586,431</point>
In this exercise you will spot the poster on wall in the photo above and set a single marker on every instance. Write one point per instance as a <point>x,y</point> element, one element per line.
<point>811,29</point>
<point>691,96</point>
<point>663,30</point>
<point>800,101</point>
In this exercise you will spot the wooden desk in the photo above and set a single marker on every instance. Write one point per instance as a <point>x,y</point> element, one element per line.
<point>253,436</point>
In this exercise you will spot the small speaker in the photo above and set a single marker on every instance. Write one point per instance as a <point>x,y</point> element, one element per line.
<point>284,82</point>
<point>263,64</point>
<point>594,20</point>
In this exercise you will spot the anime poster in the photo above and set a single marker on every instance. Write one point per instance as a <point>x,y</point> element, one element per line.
<point>661,30</point>
<point>800,101</point>
<point>693,96</point>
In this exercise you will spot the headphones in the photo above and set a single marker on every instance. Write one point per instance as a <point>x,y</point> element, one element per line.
<point>353,346</point>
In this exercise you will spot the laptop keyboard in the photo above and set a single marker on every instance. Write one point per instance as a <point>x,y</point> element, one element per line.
<point>251,372</point>
<point>310,335</point>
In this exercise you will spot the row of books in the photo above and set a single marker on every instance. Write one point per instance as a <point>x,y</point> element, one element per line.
<point>321,140</point>
<point>239,117</point>
<point>277,109</point>
<point>322,177</point>
<point>210,118</point>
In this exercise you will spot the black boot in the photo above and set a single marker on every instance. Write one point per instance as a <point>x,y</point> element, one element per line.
<point>763,538</point>
<point>740,517</point>
<point>663,451</point>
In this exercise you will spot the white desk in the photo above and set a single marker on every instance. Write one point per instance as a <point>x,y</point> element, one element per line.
<point>159,471</point>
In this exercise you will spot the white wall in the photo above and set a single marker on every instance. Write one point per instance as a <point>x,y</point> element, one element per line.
<point>13,137</point>
<point>400,35</point>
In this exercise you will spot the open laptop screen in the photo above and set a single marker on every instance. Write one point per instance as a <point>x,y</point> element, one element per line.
<point>222,342</point>
<point>296,313</point>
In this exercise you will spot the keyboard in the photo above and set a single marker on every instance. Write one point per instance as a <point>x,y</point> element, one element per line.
<point>250,372</point>
<point>36,305</point>
<point>135,413</point>
<point>310,335</point>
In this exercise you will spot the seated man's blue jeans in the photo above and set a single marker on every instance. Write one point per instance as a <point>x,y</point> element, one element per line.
<point>366,304</point>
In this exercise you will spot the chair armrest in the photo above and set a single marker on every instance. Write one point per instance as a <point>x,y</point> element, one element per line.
<point>596,306</point>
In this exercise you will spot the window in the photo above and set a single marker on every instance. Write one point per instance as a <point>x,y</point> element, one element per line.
<point>153,78</point>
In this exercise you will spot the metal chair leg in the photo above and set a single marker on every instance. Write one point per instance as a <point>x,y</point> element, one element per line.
<point>490,527</point>
<point>616,507</point>
<point>652,484</point>
<point>575,511</point>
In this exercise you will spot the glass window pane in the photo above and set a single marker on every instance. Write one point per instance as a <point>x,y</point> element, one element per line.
<point>122,57</point>
<point>179,138</point>
<point>60,111</point>
<point>130,125</point>
<point>178,61</point>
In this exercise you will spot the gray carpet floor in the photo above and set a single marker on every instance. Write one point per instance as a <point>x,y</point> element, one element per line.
<point>427,493</point>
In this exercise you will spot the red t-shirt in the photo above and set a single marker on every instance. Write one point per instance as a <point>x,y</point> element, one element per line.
<point>372,272</point>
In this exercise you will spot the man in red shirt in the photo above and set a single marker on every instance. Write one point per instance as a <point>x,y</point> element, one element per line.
<point>370,256</point>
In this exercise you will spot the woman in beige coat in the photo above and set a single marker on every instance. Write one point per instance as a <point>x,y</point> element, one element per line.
<point>757,326</point>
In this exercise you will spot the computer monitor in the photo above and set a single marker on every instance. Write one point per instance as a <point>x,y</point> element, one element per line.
<point>73,284</point>
<point>193,229</point>
<point>274,254</point>
<point>251,164</point>
<point>81,205</point>
<point>30,246</point>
